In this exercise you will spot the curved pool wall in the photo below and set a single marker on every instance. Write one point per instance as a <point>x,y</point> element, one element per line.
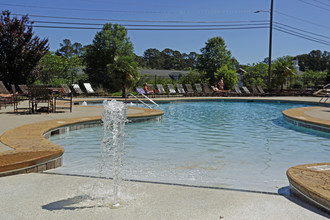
<point>205,164</point>
<point>299,118</point>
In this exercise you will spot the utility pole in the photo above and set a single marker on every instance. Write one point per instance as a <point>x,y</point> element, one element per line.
<point>270,46</point>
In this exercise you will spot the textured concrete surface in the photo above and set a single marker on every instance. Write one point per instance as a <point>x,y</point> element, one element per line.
<point>46,196</point>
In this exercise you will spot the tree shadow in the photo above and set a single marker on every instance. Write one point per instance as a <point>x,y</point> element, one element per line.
<point>68,204</point>
<point>285,192</point>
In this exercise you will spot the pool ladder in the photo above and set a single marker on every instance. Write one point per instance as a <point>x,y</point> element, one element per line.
<point>130,94</point>
<point>326,95</point>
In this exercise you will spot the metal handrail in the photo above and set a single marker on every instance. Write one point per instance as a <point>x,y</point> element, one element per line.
<point>140,100</point>
<point>152,101</point>
<point>326,95</point>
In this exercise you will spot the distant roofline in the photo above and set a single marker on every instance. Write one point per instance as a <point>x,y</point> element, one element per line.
<point>164,73</point>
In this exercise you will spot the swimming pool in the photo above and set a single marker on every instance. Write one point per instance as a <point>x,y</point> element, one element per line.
<point>240,145</point>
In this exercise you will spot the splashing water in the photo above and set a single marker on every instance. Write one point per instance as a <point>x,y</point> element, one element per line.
<point>114,119</point>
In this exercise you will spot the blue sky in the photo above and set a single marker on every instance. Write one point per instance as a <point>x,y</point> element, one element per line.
<point>309,17</point>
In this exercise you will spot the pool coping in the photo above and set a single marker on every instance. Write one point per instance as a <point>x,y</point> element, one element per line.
<point>32,152</point>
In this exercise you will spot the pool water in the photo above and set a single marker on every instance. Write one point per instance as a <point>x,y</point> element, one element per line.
<point>236,145</point>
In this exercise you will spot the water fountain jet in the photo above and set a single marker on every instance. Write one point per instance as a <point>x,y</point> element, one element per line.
<point>114,119</point>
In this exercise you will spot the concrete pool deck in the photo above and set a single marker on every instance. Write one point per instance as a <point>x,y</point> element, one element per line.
<point>56,196</point>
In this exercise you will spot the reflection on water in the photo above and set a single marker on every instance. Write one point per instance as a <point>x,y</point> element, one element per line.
<point>226,144</point>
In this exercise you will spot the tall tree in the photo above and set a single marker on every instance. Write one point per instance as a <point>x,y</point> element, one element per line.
<point>256,74</point>
<point>20,50</point>
<point>123,72</point>
<point>191,60</point>
<point>58,67</point>
<point>213,56</point>
<point>153,59</point>
<point>314,60</point>
<point>313,79</point>
<point>68,49</point>
<point>110,42</point>
<point>282,71</point>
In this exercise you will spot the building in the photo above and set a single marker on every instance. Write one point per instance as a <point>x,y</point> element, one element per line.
<point>173,74</point>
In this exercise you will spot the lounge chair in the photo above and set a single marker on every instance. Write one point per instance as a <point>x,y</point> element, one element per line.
<point>140,91</point>
<point>7,98</point>
<point>254,90</point>
<point>24,89</point>
<point>65,89</point>
<point>161,90</point>
<point>237,90</point>
<point>89,88</point>
<point>262,92</point>
<point>180,89</point>
<point>171,89</point>
<point>220,92</point>
<point>18,97</point>
<point>207,89</point>
<point>77,89</point>
<point>246,90</point>
<point>151,88</point>
<point>199,89</point>
<point>3,89</point>
<point>190,90</point>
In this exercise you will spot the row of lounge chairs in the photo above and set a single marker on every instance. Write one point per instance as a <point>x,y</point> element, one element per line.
<point>256,91</point>
<point>38,94</point>
<point>200,90</point>
<point>77,90</point>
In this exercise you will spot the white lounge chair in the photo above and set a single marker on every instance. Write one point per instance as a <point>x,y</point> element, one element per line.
<point>89,88</point>
<point>77,89</point>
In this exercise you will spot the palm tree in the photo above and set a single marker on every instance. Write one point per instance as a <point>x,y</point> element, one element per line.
<point>124,73</point>
<point>283,69</point>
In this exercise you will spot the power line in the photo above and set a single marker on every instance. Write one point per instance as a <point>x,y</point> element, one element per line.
<point>308,3</point>
<point>319,35</point>
<point>156,29</point>
<point>152,25</point>
<point>79,9</point>
<point>300,19</point>
<point>306,38</point>
<point>182,26</point>
<point>134,20</point>
<point>281,29</point>
<point>322,3</point>
<point>126,11</point>
<point>302,35</point>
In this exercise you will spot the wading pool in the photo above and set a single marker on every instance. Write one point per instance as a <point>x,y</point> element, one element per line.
<point>237,145</point>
